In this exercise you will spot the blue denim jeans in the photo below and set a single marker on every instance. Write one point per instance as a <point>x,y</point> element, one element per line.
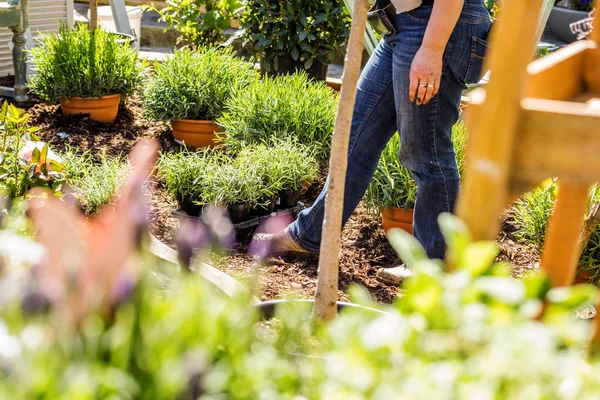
<point>383,107</point>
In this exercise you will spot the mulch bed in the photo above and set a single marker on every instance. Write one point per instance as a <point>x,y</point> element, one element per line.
<point>364,246</point>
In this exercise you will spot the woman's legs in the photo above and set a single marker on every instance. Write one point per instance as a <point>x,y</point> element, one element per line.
<point>373,124</point>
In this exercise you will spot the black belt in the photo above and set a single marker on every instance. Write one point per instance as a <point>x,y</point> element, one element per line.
<point>381,15</point>
<point>427,3</point>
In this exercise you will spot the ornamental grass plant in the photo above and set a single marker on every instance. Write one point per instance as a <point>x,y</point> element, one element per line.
<point>532,213</point>
<point>393,186</point>
<point>290,106</point>
<point>196,85</point>
<point>75,62</point>
<point>94,180</point>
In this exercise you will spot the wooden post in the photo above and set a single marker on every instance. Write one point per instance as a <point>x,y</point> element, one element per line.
<point>93,15</point>
<point>491,139</point>
<point>327,284</point>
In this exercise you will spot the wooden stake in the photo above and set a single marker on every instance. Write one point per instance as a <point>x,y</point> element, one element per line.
<point>327,284</point>
<point>93,15</point>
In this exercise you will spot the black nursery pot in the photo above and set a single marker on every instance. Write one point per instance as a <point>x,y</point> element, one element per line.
<point>267,208</point>
<point>287,66</point>
<point>267,308</point>
<point>191,209</point>
<point>289,198</point>
<point>239,212</point>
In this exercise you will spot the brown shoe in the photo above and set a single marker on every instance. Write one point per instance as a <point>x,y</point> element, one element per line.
<point>394,276</point>
<point>278,244</point>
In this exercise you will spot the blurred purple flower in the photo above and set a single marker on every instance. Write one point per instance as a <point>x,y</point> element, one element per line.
<point>190,237</point>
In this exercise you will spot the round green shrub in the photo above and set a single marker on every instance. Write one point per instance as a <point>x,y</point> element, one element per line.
<point>393,186</point>
<point>196,84</point>
<point>283,107</point>
<point>78,63</point>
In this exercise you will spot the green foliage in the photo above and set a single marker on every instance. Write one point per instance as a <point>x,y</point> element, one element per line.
<point>283,165</point>
<point>211,176</point>
<point>282,107</point>
<point>201,23</point>
<point>196,84</point>
<point>187,173</point>
<point>95,181</point>
<point>493,7</point>
<point>307,30</point>
<point>532,213</point>
<point>393,186</point>
<point>25,162</point>
<point>472,333</point>
<point>78,63</point>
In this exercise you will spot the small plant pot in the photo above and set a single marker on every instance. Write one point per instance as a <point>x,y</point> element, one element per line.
<point>102,109</point>
<point>239,212</point>
<point>397,218</point>
<point>266,207</point>
<point>289,198</point>
<point>194,133</point>
<point>190,208</point>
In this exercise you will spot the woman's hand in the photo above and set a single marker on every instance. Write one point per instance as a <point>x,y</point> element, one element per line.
<point>425,75</point>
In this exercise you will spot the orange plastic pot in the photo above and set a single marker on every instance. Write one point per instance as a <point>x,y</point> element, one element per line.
<point>103,109</point>
<point>397,218</point>
<point>195,133</point>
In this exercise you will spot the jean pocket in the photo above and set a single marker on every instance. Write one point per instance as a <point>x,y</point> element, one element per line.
<point>479,49</point>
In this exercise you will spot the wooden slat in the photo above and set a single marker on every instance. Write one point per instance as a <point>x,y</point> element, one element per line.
<point>558,76</point>
<point>558,139</point>
<point>491,143</point>
<point>592,69</point>
<point>561,249</point>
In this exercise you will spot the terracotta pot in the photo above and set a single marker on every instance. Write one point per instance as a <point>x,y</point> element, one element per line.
<point>397,218</point>
<point>195,133</point>
<point>103,109</point>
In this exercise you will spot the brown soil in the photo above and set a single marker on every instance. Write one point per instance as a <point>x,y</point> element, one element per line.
<point>364,245</point>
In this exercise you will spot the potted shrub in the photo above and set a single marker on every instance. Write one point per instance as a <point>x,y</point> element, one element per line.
<point>185,175</point>
<point>566,12</point>
<point>191,89</point>
<point>392,192</point>
<point>291,35</point>
<point>288,106</point>
<point>285,168</point>
<point>87,72</point>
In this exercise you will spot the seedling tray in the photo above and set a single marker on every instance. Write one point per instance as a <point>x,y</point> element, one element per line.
<point>252,222</point>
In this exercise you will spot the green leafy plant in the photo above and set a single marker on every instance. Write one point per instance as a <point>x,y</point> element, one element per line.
<point>200,23</point>
<point>186,174</point>
<point>282,107</point>
<point>196,84</point>
<point>472,333</point>
<point>532,213</point>
<point>25,162</point>
<point>283,165</point>
<point>306,30</point>
<point>75,62</point>
<point>393,186</point>
<point>95,180</point>
<point>235,184</point>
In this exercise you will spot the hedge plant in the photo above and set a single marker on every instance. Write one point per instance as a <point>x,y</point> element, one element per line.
<point>282,107</point>
<point>75,62</point>
<point>393,186</point>
<point>306,30</point>
<point>196,84</point>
